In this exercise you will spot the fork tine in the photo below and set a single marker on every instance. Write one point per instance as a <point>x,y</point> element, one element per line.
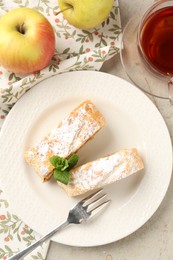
<point>97,209</point>
<point>91,196</point>
<point>92,203</point>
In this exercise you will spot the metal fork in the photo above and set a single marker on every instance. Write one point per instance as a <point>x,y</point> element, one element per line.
<point>81,212</point>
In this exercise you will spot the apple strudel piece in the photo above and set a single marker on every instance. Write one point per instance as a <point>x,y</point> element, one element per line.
<point>67,138</point>
<point>103,171</point>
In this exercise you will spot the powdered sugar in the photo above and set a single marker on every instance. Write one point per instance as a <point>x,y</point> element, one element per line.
<point>65,139</point>
<point>105,170</point>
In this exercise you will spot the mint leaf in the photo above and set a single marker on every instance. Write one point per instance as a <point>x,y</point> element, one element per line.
<point>72,161</point>
<point>65,164</point>
<point>62,164</point>
<point>59,163</point>
<point>61,176</point>
<point>54,159</point>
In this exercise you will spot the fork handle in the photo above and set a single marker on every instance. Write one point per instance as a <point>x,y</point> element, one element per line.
<point>30,248</point>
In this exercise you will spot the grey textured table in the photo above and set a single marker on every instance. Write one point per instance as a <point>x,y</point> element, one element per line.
<point>154,240</point>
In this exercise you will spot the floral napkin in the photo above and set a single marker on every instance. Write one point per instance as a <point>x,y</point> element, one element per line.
<point>75,50</point>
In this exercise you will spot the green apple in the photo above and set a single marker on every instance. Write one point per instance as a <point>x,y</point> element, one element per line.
<point>27,41</point>
<point>85,14</point>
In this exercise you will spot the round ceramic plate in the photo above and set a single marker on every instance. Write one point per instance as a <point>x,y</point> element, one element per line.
<point>132,121</point>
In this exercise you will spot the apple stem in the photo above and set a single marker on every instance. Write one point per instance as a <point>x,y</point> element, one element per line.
<point>21,28</point>
<point>56,13</point>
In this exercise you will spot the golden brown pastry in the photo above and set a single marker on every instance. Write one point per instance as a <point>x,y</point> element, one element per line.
<point>67,138</point>
<point>103,171</point>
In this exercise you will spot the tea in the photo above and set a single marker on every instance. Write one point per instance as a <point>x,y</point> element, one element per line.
<point>156,39</point>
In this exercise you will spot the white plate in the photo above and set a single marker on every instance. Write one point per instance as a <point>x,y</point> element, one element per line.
<point>132,121</point>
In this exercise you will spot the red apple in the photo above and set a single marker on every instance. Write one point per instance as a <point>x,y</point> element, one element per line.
<point>27,41</point>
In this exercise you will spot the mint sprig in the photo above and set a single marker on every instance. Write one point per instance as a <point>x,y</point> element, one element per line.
<point>62,167</point>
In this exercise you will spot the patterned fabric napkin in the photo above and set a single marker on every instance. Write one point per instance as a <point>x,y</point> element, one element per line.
<point>75,50</point>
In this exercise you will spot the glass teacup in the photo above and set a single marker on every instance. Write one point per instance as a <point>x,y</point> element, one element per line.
<point>147,50</point>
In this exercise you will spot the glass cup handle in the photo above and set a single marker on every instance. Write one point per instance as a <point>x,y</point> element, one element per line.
<point>170,90</point>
